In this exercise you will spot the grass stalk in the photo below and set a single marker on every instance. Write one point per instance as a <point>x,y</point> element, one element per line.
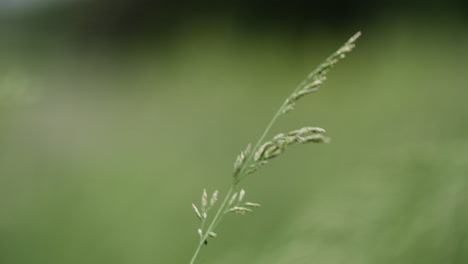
<point>249,161</point>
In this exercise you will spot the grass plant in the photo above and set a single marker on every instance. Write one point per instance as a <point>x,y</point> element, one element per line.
<point>263,151</point>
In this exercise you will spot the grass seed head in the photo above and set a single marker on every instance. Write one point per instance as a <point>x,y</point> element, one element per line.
<point>318,76</point>
<point>246,163</point>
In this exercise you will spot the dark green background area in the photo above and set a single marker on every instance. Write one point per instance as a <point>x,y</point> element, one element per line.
<point>113,121</point>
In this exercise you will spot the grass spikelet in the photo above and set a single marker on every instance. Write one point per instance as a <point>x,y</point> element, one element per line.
<point>240,160</point>
<point>240,210</point>
<point>252,204</point>
<point>214,198</point>
<point>305,130</point>
<point>204,200</point>
<point>233,198</point>
<point>241,195</point>
<point>261,150</point>
<point>197,213</point>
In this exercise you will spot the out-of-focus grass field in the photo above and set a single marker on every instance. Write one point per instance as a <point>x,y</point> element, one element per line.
<point>102,152</point>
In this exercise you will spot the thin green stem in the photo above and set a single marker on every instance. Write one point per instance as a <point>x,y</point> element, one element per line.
<point>196,252</point>
<point>243,172</point>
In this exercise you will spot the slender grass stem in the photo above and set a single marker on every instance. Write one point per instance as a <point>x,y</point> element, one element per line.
<point>196,252</point>
<point>309,85</point>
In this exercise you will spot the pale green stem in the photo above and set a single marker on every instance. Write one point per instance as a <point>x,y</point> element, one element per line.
<point>242,173</point>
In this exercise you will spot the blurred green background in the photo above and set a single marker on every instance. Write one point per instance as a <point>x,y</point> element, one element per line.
<point>116,114</point>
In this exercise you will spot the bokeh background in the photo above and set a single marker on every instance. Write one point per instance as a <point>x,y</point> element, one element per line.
<point>115,114</point>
